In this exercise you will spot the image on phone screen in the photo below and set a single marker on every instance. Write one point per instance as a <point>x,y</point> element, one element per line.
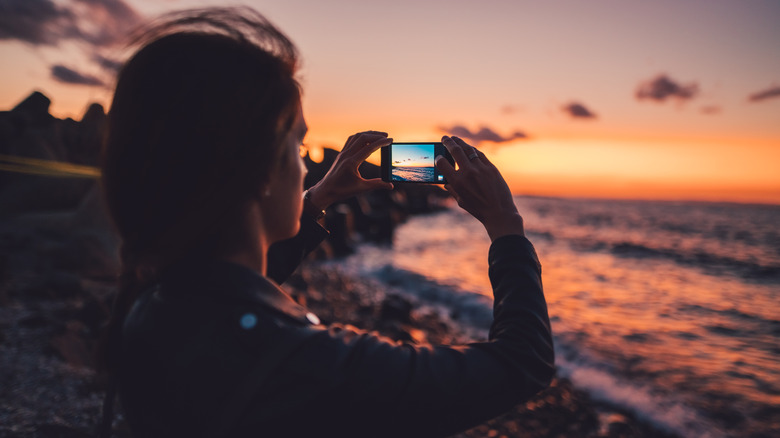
<point>414,162</point>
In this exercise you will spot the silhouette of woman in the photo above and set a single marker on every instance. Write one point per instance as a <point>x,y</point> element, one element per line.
<point>203,180</point>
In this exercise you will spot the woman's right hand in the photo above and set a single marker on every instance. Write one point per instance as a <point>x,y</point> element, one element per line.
<point>479,188</point>
<point>343,179</point>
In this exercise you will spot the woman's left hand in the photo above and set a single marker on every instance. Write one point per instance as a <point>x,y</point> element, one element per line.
<point>343,179</point>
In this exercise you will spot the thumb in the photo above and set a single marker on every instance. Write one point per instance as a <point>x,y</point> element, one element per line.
<point>445,167</point>
<point>377,183</point>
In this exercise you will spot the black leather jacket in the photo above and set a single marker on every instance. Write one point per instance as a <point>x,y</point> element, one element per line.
<point>214,349</point>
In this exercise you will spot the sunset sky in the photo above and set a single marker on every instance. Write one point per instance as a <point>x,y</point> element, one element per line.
<point>628,99</point>
<point>413,155</point>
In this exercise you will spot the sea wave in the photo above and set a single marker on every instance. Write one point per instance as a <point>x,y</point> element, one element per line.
<point>711,263</point>
<point>645,401</point>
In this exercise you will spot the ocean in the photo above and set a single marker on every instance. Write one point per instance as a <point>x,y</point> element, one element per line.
<point>669,309</point>
<point>419,174</point>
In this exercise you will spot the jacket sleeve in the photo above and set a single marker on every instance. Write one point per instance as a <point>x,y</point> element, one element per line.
<point>285,256</point>
<point>362,381</point>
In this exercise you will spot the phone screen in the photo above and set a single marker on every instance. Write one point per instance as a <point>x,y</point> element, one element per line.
<point>414,162</point>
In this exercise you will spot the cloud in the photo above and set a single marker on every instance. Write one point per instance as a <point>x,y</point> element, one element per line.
<point>37,22</point>
<point>578,111</point>
<point>63,74</point>
<point>484,134</point>
<point>710,109</point>
<point>662,87</point>
<point>104,22</point>
<point>509,109</point>
<point>769,93</point>
<point>99,23</point>
<point>106,63</point>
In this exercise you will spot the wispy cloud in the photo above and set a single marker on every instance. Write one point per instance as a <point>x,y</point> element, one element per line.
<point>106,63</point>
<point>104,22</point>
<point>510,109</point>
<point>578,111</point>
<point>37,22</point>
<point>66,75</point>
<point>769,93</point>
<point>711,109</point>
<point>95,25</point>
<point>42,22</point>
<point>483,134</point>
<point>662,88</point>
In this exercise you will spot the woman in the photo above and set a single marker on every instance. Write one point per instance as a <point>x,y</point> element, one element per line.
<point>202,175</point>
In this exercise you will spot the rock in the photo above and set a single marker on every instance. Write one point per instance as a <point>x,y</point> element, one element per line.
<point>396,331</point>
<point>85,148</point>
<point>339,221</point>
<point>11,125</point>
<point>87,253</point>
<point>35,107</point>
<point>617,425</point>
<point>72,346</point>
<point>55,284</point>
<point>33,193</point>
<point>396,308</point>
<point>29,131</point>
<point>80,240</point>
<point>55,430</point>
<point>96,235</point>
<point>35,320</point>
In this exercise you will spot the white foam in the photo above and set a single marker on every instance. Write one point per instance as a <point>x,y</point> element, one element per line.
<point>647,404</point>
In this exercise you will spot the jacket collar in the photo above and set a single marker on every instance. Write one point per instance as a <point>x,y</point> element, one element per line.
<point>231,281</point>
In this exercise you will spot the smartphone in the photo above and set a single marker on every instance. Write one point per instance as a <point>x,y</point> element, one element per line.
<point>413,162</point>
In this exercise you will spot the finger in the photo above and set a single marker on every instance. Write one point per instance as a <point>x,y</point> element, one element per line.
<point>383,134</point>
<point>470,150</point>
<point>456,151</point>
<point>365,151</point>
<point>355,137</point>
<point>372,135</point>
<point>363,139</point>
<point>369,135</point>
<point>481,157</point>
<point>445,168</point>
<point>448,188</point>
<point>462,143</point>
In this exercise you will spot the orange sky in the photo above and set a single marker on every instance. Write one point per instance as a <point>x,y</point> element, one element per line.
<point>413,68</point>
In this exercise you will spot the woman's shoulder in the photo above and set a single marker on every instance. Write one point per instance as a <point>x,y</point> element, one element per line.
<point>216,300</point>
<point>221,285</point>
<point>192,344</point>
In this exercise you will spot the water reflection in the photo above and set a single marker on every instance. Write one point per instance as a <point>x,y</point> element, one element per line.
<point>678,298</point>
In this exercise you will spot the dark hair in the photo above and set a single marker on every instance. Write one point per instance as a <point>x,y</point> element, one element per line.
<point>196,125</point>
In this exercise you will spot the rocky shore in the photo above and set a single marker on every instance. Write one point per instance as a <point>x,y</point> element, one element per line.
<point>57,268</point>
